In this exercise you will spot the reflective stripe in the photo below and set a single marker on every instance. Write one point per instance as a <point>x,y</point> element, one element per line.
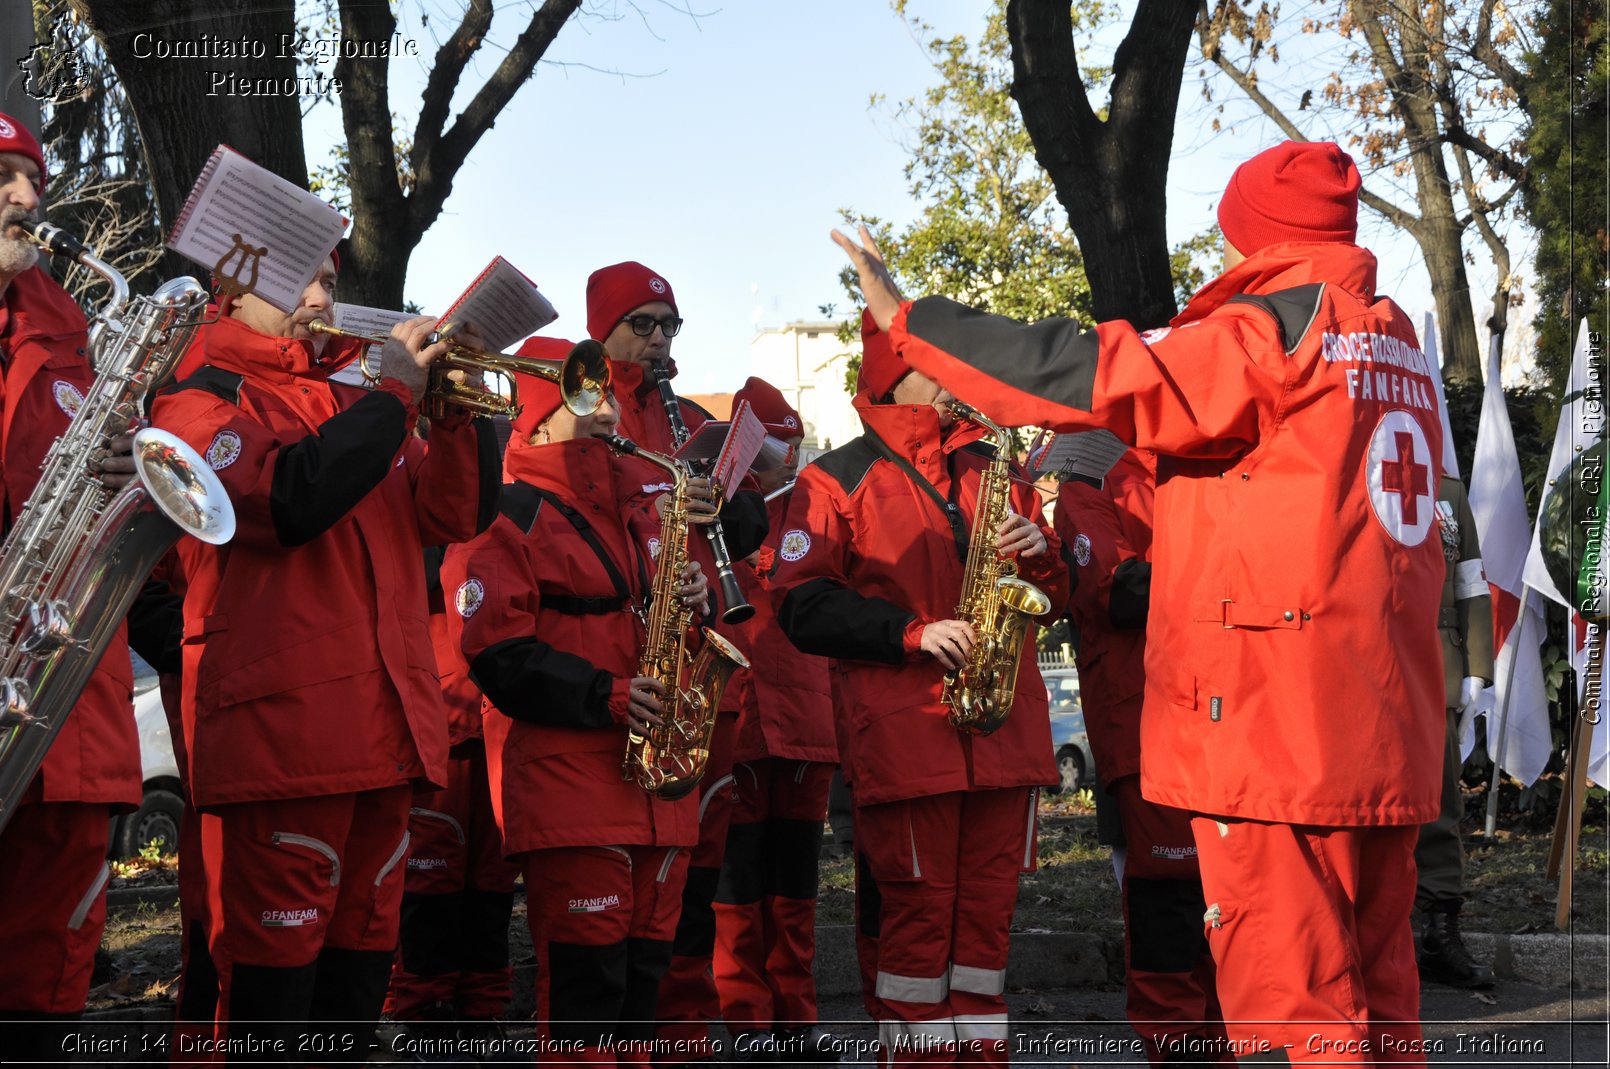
<point>897,1036</point>
<point>623,852</point>
<point>710,794</point>
<point>916,866</point>
<point>1469,581</point>
<point>311,843</point>
<point>1224,829</point>
<point>665,866</point>
<point>436,814</point>
<point>799,773</point>
<point>978,981</point>
<point>396,856</point>
<point>1028,833</point>
<point>926,990</point>
<point>96,885</point>
<point>988,1027</point>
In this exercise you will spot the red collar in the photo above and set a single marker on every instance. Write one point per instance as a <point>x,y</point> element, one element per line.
<point>1279,267</point>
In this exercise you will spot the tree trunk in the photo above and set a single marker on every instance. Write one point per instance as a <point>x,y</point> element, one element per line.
<point>186,107</point>
<point>1110,175</point>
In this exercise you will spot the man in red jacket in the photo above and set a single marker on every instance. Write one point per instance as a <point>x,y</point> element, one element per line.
<point>311,706</point>
<point>873,552</point>
<point>1292,681</point>
<point>765,904</point>
<point>1106,533</point>
<point>53,880</point>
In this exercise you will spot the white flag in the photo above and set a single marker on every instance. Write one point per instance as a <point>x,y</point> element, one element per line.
<point>1581,425</point>
<point>1498,502</point>
<point>1428,345</point>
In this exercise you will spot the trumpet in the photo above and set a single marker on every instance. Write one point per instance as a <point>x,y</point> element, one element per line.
<point>583,376</point>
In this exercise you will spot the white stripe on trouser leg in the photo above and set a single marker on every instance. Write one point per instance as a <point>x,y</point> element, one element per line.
<point>916,866</point>
<point>1028,832</point>
<point>925,990</point>
<point>76,921</point>
<point>978,981</point>
<point>981,1027</point>
<point>905,1036</point>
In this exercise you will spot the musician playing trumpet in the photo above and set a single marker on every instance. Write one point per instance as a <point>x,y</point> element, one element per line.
<point>873,552</point>
<point>548,610</point>
<point>311,707</point>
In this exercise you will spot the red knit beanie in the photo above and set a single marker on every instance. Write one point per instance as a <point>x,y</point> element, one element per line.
<point>615,290</point>
<point>539,398</point>
<point>1296,191</point>
<point>14,137</point>
<point>771,408</point>
<point>881,366</point>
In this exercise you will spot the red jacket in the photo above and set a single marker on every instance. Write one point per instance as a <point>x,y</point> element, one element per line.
<point>1101,528</point>
<point>308,666</point>
<point>1292,666</point>
<point>96,755</point>
<point>787,703</point>
<point>867,559</point>
<point>542,628</point>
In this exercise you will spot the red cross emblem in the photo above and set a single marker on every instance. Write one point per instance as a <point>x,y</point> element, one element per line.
<point>1400,477</point>
<point>1406,478</point>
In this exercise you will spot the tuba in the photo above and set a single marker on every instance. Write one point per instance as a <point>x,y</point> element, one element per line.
<point>670,759</point>
<point>79,553</point>
<point>997,604</point>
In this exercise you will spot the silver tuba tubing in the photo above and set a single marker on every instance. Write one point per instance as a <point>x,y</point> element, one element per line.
<point>79,553</point>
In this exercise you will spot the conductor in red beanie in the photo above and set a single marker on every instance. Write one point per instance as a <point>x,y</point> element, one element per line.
<point>1293,679</point>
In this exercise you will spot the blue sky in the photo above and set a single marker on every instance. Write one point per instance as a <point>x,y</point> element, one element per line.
<point>720,156</point>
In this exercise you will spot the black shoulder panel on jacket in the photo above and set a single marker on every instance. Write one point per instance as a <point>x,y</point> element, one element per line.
<point>849,463</point>
<point>980,448</point>
<point>689,403</point>
<point>215,380</point>
<point>1294,310</point>
<point>520,502</point>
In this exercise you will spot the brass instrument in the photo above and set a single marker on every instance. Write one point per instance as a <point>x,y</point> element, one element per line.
<point>780,491</point>
<point>583,376</point>
<point>80,552</point>
<point>997,604</point>
<point>670,759</point>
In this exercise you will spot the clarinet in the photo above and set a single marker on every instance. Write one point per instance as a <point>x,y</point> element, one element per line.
<point>735,608</point>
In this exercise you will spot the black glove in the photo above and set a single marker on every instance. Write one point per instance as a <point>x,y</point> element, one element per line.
<point>1131,594</point>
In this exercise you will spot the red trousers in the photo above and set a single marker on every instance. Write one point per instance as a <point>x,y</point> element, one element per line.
<point>302,897</point>
<point>688,1001</point>
<point>602,919</point>
<point>453,961</point>
<point>935,902</point>
<point>765,903</point>
<point>1311,933</point>
<point>52,903</point>
<point>1168,977</point>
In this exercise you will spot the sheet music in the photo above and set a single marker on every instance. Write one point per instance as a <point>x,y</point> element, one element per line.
<point>502,305</point>
<point>744,439</point>
<point>244,222</point>
<point>1088,453</point>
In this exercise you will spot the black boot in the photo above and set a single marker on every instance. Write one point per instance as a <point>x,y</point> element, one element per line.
<point>1443,957</point>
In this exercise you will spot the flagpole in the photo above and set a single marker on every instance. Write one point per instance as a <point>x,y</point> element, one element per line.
<point>1562,854</point>
<point>1497,753</point>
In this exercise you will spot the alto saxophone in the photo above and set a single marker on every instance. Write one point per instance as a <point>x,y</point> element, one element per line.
<point>670,759</point>
<point>79,552</point>
<point>997,604</point>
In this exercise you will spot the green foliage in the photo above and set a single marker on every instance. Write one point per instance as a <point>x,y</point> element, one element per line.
<point>1565,196</point>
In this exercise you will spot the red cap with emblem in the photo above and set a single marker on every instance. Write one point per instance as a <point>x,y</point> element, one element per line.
<point>539,398</point>
<point>15,137</point>
<point>614,291</point>
<point>771,408</point>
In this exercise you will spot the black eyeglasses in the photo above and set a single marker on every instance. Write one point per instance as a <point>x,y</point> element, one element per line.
<point>643,325</point>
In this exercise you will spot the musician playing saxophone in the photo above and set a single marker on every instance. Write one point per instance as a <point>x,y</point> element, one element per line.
<point>547,608</point>
<point>872,556</point>
<point>311,707</point>
<point>52,882</point>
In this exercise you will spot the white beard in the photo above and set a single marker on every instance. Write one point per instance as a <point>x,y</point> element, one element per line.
<point>16,256</point>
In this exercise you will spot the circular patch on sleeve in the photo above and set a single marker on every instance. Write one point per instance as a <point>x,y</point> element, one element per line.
<point>223,450</point>
<point>795,544</point>
<point>471,594</point>
<point>1402,478</point>
<point>68,398</point>
<point>1081,549</point>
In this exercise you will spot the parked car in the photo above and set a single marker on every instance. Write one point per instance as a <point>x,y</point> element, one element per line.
<point>1076,768</point>
<point>157,819</point>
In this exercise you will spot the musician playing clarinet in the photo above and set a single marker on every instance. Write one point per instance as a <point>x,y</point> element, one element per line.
<point>872,558</point>
<point>633,311</point>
